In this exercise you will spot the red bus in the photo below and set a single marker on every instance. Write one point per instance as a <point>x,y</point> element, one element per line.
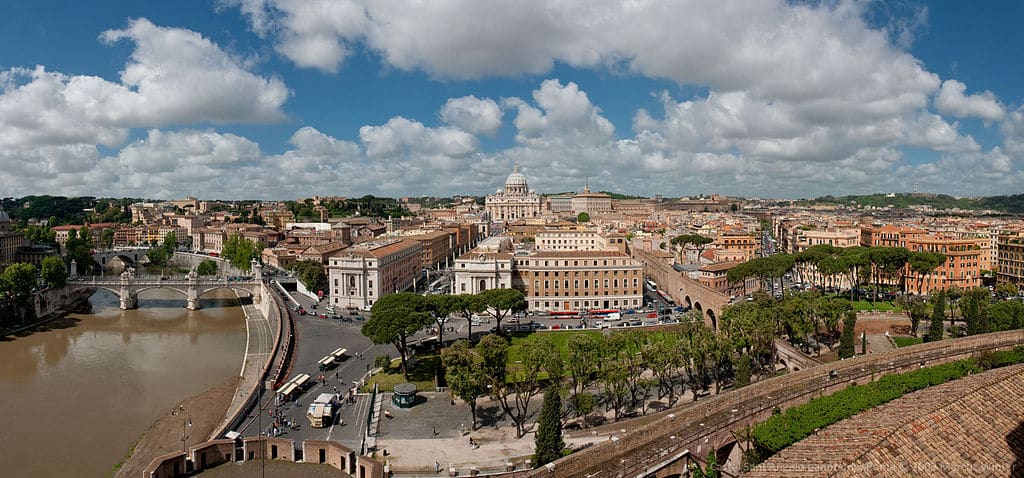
<point>667,298</point>
<point>564,314</point>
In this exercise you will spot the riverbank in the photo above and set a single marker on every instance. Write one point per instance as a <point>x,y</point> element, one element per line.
<point>66,304</point>
<point>204,411</point>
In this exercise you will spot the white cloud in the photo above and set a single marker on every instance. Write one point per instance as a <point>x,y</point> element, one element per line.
<point>474,115</point>
<point>400,136</point>
<point>952,101</point>
<point>175,76</point>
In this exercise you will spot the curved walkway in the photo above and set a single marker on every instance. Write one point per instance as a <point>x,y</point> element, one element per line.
<point>960,428</point>
<point>259,345</point>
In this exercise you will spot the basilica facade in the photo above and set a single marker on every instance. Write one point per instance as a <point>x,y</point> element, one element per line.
<point>515,202</point>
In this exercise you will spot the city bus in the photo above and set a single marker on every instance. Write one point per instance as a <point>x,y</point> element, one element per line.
<point>667,298</point>
<point>564,314</point>
<point>651,285</point>
<point>603,311</point>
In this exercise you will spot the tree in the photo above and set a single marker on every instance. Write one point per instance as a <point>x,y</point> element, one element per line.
<point>240,252</point>
<point>664,360</point>
<point>171,242</point>
<point>915,308</point>
<point>312,274</point>
<point>710,469</point>
<point>78,248</point>
<point>503,302</point>
<point>19,279</point>
<point>54,272</point>
<point>394,318</point>
<point>548,440</point>
<point>207,267</point>
<point>470,304</point>
<point>974,309</point>
<point>1006,315</point>
<point>697,240</point>
<point>158,256</point>
<point>582,217</point>
<point>513,386</point>
<point>846,341</point>
<point>743,372</point>
<point>107,238</point>
<point>441,306</point>
<point>464,373</point>
<point>1006,290</point>
<point>938,302</point>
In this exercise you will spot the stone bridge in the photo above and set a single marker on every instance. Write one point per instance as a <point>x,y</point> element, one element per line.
<point>128,256</point>
<point>684,290</point>
<point>793,358</point>
<point>128,286</point>
<point>664,444</point>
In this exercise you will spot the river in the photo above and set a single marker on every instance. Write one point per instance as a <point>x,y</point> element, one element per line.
<point>76,397</point>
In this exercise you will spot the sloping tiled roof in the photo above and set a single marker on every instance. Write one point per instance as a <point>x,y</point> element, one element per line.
<point>967,427</point>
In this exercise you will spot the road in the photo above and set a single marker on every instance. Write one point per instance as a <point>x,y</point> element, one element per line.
<point>315,338</point>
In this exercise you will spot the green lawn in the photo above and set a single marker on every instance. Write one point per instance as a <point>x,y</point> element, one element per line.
<point>906,341</point>
<point>421,374</point>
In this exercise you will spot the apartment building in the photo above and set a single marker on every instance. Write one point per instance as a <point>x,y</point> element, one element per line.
<point>1010,259</point>
<point>962,267</point>
<point>579,280</point>
<point>365,272</point>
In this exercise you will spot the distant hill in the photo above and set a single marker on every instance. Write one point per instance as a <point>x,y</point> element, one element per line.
<point>1012,204</point>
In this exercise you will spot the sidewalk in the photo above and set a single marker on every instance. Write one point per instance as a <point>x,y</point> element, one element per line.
<point>258,344</point>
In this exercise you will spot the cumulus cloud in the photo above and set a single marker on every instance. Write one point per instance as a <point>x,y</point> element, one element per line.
<point>951,100</point>
<point>51,123</point>
<point>472,114</point>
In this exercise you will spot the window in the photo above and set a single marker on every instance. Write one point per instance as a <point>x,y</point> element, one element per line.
<point>576,284</point>
<point>462,287</point>
<point>369,284</point>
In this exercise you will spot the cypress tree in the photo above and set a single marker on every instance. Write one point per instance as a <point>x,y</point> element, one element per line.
<point>548,441</point>
<point>938,315</point>
<point>846,349</point>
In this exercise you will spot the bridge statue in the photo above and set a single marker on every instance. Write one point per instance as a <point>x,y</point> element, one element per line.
<point>192,294</point>
<point>128,299</point>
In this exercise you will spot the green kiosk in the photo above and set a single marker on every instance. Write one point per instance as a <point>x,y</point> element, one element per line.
<point>404,396</point>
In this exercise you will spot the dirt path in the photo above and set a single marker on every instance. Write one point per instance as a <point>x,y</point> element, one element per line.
<point>204,411</point>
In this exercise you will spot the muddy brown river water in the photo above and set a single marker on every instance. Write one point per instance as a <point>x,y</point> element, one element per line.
<point>76,395</point>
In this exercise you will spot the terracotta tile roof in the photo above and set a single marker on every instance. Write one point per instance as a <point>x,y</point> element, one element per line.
<point>961,428</point>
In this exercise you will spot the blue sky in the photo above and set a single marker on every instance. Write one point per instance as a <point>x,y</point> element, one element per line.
<point>281,99</point>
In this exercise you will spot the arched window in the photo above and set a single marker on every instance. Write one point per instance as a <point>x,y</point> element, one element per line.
<point>483,285</point>
<point>352,281</point>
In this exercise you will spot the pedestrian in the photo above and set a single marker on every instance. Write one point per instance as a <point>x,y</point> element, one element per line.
<point>435,431</point>
<point>437,467</point>
<point>335,375</point>
<point>367,367</point>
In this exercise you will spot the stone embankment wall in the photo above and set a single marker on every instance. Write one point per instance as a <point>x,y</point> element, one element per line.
<point>217,452</point>
<point>44,305</point>
<point>188,260</point>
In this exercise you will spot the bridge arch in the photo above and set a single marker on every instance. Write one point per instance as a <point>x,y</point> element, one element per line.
<point>687,302</point>
<point>153,287</point>
<point>241,291</point>
<point>714,319</point>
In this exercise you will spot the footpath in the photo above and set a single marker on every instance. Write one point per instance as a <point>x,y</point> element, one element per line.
<point>259,344</point>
